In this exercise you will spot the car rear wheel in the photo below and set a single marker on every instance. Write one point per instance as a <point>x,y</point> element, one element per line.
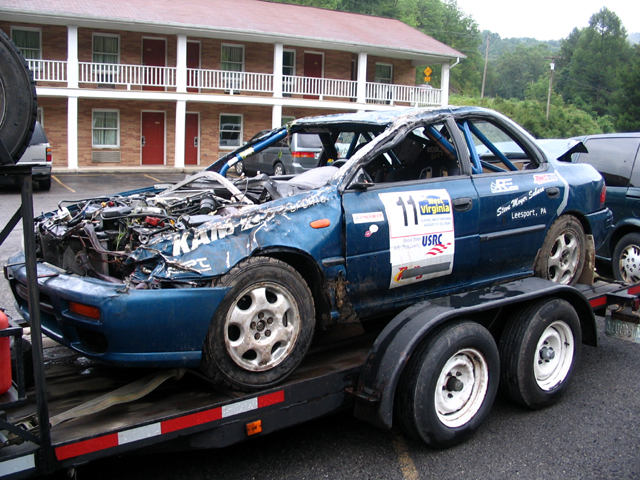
<point>263,327</point>
<point>278,169</point>
<point>562,256</point>
<point>448,387</point>
<point>18,105</point>
<point>626,259</point>
<point>45,184</point>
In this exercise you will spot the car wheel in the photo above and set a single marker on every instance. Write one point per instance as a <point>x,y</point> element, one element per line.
<point>562,256</point>
<point>45,184</point>
<point>18,105</point>
<point>448,387</point>
<point>263,327</point>
<point>539,349</point>
<point>278,169</point>
<point>239,168</point>
<point>626,259</point>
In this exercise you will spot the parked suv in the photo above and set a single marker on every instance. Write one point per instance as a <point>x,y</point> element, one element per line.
<point>617,158</point>
<point>38,154</point>
<point>295,154</point>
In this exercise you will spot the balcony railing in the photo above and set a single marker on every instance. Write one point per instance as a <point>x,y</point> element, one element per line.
<point>48,70</point>
<point>233,82</point>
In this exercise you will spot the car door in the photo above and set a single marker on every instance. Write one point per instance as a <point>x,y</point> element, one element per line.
<point>409,235</point>
<point>519,196</point>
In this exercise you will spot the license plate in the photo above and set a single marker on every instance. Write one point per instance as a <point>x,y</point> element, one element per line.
<point>622,330</point>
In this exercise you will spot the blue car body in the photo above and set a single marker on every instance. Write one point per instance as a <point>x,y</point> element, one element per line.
<point>366,246</point>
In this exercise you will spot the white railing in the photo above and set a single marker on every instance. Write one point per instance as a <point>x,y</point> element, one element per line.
<point>392,94</point>
<point>48,70</point>
<point>232,82</point>
<point>117,74</point>
<point>320,87</point>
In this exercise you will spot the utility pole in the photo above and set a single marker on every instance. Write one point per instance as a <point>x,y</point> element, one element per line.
<point>486,59</point>
<point>552,65</point>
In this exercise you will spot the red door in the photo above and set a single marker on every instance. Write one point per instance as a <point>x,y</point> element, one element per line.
<point>312,68</point>
<point>153,138</point>
<point>153,54</point>
<point>193,61</point>
<point>191,139</point>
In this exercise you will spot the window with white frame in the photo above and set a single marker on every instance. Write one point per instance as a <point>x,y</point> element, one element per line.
<point>230,130</point>
<point>106,128</point>
<point>106,48</point>
<point>288,68</point>
<point>232,58</point>
<point>28,41</point>
<point>384,73</point>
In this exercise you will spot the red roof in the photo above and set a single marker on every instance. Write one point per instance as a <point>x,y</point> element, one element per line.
<point>255,17</point>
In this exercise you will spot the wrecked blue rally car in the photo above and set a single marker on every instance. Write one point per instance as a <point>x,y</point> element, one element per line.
<point>236,275</point>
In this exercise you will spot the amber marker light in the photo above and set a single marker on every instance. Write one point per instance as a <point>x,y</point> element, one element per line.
<point>85,310</point>
<point>254,427</point>
<point>320,223</point>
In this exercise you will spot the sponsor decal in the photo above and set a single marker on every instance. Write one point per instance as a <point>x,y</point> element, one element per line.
<point>421,235</point>
<point>545,178</point>
<point>502,185</point>
<point>372,229</point>
<point>518,202</point>
<point>368,217</point>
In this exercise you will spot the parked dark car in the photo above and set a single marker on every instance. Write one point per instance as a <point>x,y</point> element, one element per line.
<point>296,153</point>
<point>38,155</point>
<point>236,275</point>
<point>616,156</point>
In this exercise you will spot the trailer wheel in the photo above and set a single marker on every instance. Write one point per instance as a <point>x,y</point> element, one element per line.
<point>626,259</point>
<point>18,105</point>
<point>449,384</point>
<point>561,258</point>
<point>263,327</point>
<point>539,349</point>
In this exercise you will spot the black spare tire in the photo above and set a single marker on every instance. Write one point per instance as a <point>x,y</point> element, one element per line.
<point>18,105</point>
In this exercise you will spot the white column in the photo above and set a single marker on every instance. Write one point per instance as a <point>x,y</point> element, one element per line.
<point>72,132</point>
<point>278,51</point>
<point>72,57</point>
<point>361,92</point>
<point>181,121</point>
<point>181,64</point>
<point>276,116</point>
<point>445,84</point>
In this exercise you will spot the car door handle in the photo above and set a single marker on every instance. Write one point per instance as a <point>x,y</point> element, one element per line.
<point>553,192</point>
<point>462,204</point>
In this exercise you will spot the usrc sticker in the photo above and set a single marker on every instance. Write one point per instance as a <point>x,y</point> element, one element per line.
<point>421,235</point>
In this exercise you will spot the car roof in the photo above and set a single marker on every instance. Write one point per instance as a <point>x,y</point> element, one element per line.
<point>608,135</point>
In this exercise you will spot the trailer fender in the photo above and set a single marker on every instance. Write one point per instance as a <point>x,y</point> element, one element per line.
<point>392,349</point>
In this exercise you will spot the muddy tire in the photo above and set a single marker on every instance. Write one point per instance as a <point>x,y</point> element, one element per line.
<point>18,105</point>
<point>263,327</point>
<point>562,256</point>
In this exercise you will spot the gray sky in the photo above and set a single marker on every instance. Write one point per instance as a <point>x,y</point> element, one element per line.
<point>546,19</point>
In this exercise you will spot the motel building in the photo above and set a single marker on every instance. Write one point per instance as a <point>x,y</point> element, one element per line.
<point>175,84</point>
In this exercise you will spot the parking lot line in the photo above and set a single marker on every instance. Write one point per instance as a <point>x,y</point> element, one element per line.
<point>408,468</point>
<point>152,178</point>
<point>68,188</point>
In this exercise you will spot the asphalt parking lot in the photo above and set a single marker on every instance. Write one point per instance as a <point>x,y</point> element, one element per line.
<point>592,433</point>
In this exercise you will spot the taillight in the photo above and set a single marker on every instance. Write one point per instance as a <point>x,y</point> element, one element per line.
<point>49,157</point>
<point>303,154</point>
<point>603,196</point>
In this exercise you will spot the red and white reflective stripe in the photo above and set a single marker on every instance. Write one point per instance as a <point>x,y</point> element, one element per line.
<point>155,429</point>
<point>602,301</point>
<point>16,465</point>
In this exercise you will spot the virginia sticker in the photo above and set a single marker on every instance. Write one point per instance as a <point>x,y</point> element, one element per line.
<point>421,235</point>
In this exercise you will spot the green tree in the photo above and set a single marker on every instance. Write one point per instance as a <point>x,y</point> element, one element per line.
<point>626,103</point>
<point>519,69</point>
<point>593,61</point>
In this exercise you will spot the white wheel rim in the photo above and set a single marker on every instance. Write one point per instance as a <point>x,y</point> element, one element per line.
<point>564,258</point>
<point>554,355</point>
<point>462,387</point>
<point>262,327</point>
<point>630,264</point>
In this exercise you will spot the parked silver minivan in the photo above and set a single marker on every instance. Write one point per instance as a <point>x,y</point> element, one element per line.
<point>299,153</point>
<point>38,154</point>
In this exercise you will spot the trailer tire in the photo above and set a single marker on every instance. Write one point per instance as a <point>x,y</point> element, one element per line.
<point>441,408</point>
<point>18,105</point>
<point>626,259</point>
<point>262,328</point>
<point>539,349</point>
<point>562,256</point>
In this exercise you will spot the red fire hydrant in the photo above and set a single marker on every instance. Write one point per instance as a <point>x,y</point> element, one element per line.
<point>5,357</point>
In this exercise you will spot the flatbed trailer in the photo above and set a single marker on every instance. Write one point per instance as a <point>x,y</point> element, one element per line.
<point>185,412</point>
